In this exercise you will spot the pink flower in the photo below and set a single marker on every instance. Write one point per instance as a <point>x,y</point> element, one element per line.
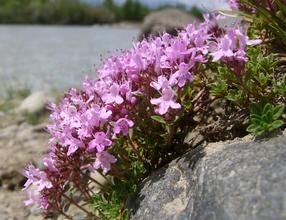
<point>126,90</point>
<point>122,126</point>
<point>165,101</point>
<point>162,83</point>
<point>49,162</point>
<point>99,142</point>
<point>135,65</point>
<point>104,161</point>
<point>36,182</point>
<point>94,117</point>
<point>35,198</point>
<point>177,50</point>
<point>181,76</point>
<point>224,48</point>
<point>230,49</point>
<point>37,178</point>
<point>72,143</point>
<point>113,95</point>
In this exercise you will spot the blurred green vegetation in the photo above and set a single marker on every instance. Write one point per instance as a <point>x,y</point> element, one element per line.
<point>130,11</point>
<point>12,97</point>
<point>73,12</point>
<point>52,12</point>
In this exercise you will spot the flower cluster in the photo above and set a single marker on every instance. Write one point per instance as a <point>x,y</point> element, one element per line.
<point>231,49</point>
<point>87,123</point>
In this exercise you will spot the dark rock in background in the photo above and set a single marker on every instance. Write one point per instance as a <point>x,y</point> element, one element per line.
<point>221,182</point>
<point>166,20</point>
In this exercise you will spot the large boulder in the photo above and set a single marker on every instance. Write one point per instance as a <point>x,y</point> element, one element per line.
<point>166,20</point>
<point>244,181</point>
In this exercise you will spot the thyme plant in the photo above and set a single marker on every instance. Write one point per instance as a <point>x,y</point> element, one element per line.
<point>134,117</point>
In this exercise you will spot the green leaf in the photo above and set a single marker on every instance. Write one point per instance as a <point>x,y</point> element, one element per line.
<point>251,128</point>
<point>188,105</point>
<point>219,88</point>
<point>267,108</point>
<point>234,96</point>
<point>277,124</point>
<point>282,6</point>
<point>278,111</point>
<point>263,117</point>
<point>255,121</point>
<point>263,79</point>
<point>158,119</point>
<point>255,110</point>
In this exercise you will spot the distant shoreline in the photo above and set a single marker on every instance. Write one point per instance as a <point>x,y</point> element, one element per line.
<point>123,24</point>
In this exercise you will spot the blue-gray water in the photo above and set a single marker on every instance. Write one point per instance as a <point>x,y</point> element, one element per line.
<point>47,57</point>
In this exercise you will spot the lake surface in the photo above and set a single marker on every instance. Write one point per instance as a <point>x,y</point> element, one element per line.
<point>48,57</point>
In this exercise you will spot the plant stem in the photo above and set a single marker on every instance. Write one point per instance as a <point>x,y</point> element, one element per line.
<point>121,210</point>
<point>131,143</point>
<point>72,201</point>
<point>270,6</point>
<point>65,215</point>
<point>115,171</point>
<point>92,179</point>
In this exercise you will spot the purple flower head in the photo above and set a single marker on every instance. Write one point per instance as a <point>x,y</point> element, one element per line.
<point>177,50</point>
<point>36,182</point>
<point>95,116</point>
<point>36,198</point>
<point>224,48</point>
<point>233,4</point>
<point>100,142</point>
<point>135,65</point>
<point>49,162</point>
<point>122,125</point>
<point>181,76</point>
<point>165,101</point>
<point>113,95</point>
<point>37,178</point>
<point>211,20</point>
<point>197,37</point>
<point>126,90</point>
<point>162,83</point>
<point>44,203</point>
<point>33,198</point>
<point>232,45</point>
<point>231,49</point>
<point>72,143</point>
<point>104,160</point>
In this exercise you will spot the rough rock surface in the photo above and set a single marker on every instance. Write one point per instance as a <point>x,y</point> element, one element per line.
<point>19,144</point>
<point>166,20</point>
<point>220,182</point>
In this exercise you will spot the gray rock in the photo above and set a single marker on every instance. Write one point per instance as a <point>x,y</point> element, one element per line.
<point>34,103</point>
<point>12,208</point>
<point>240,181</point>
<point>19,144</point>
<point>166,20</point>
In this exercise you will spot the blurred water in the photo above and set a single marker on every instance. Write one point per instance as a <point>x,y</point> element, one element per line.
<point>47,57</point>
